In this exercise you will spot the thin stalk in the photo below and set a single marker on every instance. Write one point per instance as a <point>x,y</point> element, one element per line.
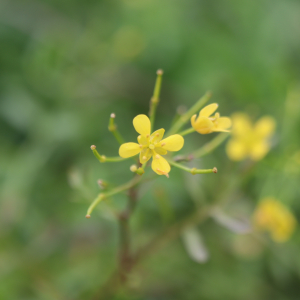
<point>112,127</point>
<point>210,146</point>
<point>186,117</point>
<point>187,131</point>
<point>103,158</point>
<point>155,98</point>
<point>193,171</point>
<point>112,192</point>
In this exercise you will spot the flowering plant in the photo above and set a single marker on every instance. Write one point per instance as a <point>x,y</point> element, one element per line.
<point>247,140</point>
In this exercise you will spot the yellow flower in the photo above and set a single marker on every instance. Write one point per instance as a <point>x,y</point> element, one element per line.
<point>151,145</point>
<point>205,123</point>
<point>250,140</point>
<point>273,216</point>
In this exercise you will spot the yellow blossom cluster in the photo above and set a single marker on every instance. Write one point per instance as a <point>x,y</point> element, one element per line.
<point>250,140</point>
<point>274,217</point>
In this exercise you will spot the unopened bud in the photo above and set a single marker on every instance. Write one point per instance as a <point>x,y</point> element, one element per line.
<point>159,72</point>
<point>102,184</point>
<point>133,168</point>
<point>140,171</point>
<point>93,147</point>
<point>112,115</point>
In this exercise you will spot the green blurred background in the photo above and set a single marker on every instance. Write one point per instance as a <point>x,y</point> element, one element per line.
<point>65,66</point>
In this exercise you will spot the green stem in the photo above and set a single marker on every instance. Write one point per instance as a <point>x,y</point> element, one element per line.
<point>103,158</point>
<point>186,117</point>
<point>112,127</point>
<point>210,146</point>
<point>155,98</point>
<point>187,131</point>
<point>114,191</point>
<point>172,233</point>
<point>193,171</point>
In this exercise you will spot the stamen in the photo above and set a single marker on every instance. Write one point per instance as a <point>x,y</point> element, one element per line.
<point>141,146</point>
<point>157,156</point>
<point>148,135</point>
<point>144,157</point>
<point>163,144</point>
<point>157,134</point>
<point>163,173</point>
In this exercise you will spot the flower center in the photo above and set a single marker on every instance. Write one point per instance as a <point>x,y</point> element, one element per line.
<point>151,146</point>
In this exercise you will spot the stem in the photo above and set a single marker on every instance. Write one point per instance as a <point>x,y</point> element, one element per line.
<point>103,158</point>
<point>112,127</point>
<point>193,171</point>
<point>155,98</point>
<point>172,233</point>
<point>187,131</point>
<point>210,146</point>
<point>185,117</point>
<point>114,191</point>
<point>126,259</point>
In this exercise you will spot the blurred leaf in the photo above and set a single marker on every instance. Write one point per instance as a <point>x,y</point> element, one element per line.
<point>194,245</point>
<point>240,226</point>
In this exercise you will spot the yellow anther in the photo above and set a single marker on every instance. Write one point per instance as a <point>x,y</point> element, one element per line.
<point>163,173</point>
<point>163,144</point>
<point>144,157</point>
<point>157,156</point>
<point>141,146</point>
<point>157,134</point>
<point>148,135</point>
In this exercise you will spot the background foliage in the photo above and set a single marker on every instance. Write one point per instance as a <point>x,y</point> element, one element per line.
<point>65,66</point>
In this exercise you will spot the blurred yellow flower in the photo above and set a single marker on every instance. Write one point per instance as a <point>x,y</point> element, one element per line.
<point>271,215</point>
<point>205,123</point>
<point>151,145</point>
<point>250,140</point>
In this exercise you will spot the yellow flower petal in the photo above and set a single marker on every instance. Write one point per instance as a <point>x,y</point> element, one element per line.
<point>202,125</point>
<point>173,143</point>
<point>241,125</point>
<point>265,126</point>
<point>259,150</point>
<point>142,124</point>
<point>222,124</point>
<point>145,155</point>
<point>160,165</point>
<point>143,140</point>
<point>160,151</point>
<point>157,135</point>
<point>193,121</point>
<point>129,149</point>
<point>208,110</point>
<point>236,150</point>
